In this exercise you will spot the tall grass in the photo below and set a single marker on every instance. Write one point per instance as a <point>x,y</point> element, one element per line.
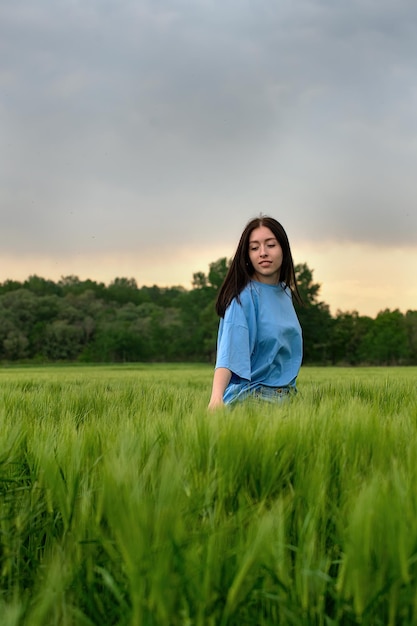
<point>123,502</point>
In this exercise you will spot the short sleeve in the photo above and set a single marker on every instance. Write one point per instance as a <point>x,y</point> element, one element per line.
<point>233,346</point>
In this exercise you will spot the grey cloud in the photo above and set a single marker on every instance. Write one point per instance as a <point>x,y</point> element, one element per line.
<point>122,117</point>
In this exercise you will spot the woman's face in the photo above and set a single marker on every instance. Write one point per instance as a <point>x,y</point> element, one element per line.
<point>265,254</point>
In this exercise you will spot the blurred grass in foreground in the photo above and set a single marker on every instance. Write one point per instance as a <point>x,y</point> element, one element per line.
<point>123,502</point>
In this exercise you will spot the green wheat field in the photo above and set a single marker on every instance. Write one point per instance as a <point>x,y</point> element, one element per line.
<point>124,502</point>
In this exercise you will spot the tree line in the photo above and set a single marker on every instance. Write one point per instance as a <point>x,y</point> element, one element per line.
<point>87,321</point>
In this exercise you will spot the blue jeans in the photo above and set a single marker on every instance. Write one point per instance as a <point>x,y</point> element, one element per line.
<point>263,393</point>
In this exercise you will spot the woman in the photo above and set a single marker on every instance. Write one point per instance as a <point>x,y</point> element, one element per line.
<point>259,345</point>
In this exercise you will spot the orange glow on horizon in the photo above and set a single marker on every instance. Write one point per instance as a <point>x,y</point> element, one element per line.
<point>352,277</point>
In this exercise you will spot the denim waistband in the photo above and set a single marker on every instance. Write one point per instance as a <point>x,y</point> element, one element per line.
<point>271,394</point>
<point>238,393</point>
<point>275,390</point>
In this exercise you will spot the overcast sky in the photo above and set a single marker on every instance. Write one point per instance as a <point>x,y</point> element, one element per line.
<point>139,136</point>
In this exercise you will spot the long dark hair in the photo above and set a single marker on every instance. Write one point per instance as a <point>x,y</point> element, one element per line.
<point>241,269</point>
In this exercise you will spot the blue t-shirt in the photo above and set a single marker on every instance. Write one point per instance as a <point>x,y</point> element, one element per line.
<point>260,340</point>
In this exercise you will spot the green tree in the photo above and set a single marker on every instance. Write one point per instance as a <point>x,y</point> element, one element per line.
<point>308,289</point>
<point>199,280</point>
<point>315,318</point>
<point>123,290</point>
<point>73,285</point>
<point>217,272</point>
<point>7,326</point>
<point>349,331</point>
<point>15,345</point>
<point>386,343</point>
<point>21,308</point>
<point>411,330</point>
<point>198,314</point>
<point>10,285</point>
<point>62,341</point>
<point>41,287</point>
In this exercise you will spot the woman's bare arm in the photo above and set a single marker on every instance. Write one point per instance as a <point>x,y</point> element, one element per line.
<point>221,379</point>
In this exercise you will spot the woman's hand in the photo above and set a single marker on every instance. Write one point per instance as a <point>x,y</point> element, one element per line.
<point>215,403</point>
<point>221,379</point>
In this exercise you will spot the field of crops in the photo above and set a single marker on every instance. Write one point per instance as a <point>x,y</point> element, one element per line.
<point>123,502</point>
